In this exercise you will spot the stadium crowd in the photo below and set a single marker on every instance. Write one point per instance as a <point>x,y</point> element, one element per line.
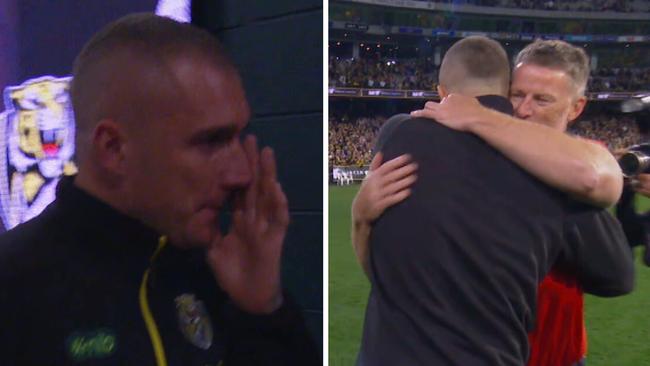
<point>562,5</point>
<point>422,74</point>
<point>620,79</point>
<point>351,141</point>
<point>617,132</point>
<point>390,74</point>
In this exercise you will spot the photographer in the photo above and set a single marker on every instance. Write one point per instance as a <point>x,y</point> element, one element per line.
<point>635,225</point>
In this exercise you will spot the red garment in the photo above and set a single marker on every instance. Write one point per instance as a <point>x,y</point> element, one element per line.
<point>560,336</point>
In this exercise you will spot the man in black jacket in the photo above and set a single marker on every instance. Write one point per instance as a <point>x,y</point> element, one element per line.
<point>455,267</point>
<point>128,266</point>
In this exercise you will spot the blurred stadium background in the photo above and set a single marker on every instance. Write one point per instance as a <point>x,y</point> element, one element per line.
<point>383,59</point>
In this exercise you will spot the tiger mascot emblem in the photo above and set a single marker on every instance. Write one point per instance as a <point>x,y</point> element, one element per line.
<point>37,146</point>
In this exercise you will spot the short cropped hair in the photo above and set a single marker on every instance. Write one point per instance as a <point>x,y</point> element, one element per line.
<point>146,39</point>
<point>145,34</point>
<point>476,61</point>
<point>558,55</point>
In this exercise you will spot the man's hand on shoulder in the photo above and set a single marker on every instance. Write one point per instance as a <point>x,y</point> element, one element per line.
<point>456,111</point>
<point>385,185</point>
<point>584,170</point>
<point>246,261</point>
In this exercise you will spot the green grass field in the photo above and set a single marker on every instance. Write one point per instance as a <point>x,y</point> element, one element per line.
<point>618,328</point>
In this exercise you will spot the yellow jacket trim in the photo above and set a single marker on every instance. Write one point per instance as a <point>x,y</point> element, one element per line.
<point>156,341</point>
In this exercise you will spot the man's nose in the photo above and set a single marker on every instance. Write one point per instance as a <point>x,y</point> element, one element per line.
<point>238,172</point>
<point>524,109</point>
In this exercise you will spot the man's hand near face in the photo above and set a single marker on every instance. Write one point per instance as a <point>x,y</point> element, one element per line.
<point>246,261</point>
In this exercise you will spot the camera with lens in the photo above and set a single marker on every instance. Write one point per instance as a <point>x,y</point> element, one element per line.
<point>636,160</point>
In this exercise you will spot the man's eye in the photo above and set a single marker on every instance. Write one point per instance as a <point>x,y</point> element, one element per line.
<point>216,140</point>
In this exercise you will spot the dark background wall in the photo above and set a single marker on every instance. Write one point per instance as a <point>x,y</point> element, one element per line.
<point>8,43</point>
<point>277,46</point>
<point>51,33</point>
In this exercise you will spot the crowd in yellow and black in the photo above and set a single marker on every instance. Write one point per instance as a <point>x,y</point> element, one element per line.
<point>351,138</point>
<point>404,74</point>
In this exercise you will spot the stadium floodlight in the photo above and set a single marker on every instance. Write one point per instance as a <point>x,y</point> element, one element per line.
<point>178,10</point>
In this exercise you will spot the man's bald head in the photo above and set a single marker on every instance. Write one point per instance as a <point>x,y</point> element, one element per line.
<point>124,72</point>
<point>475,66</point>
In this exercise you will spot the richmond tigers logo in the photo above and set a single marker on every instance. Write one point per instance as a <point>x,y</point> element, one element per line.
<point>194,320</point>
<point>36,146</point>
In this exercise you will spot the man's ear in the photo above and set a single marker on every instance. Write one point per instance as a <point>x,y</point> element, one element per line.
<point>442,91</point>
<point>108,146</point>
<point>576,108</point>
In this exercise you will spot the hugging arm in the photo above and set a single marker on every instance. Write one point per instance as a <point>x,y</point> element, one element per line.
<point>583,169</point>
<point>598,252</point>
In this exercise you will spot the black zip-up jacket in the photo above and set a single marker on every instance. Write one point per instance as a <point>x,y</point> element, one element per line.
<point>74,292</point>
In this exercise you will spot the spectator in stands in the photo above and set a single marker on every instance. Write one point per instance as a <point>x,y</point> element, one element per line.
<point>421,74</point>
<point>620,79</point>
<point>351,143</point>
<point>390,74</point>
<point>565,5</point>
<point>616,131</point>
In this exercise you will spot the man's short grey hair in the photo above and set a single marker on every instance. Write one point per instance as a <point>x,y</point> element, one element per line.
<point>558,55</point>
